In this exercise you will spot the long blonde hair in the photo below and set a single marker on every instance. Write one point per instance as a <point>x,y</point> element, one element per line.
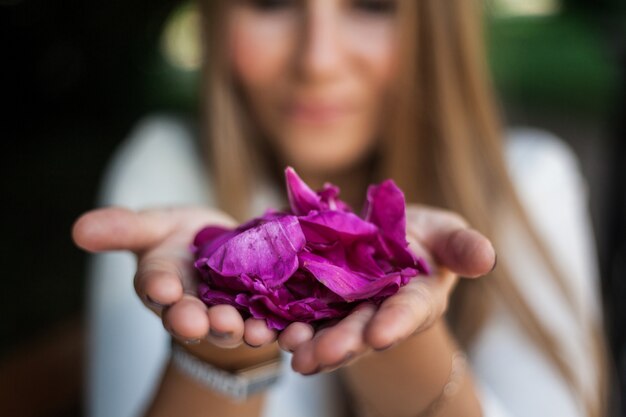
<point>443,147</point>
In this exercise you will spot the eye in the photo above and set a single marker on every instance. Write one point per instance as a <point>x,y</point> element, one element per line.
<point>375,6</point>
<point>270,5</point>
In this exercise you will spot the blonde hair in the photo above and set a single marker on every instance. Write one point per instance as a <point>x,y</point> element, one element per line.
<point>443,147</point>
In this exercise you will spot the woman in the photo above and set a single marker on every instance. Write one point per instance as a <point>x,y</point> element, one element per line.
<point>352,92</point>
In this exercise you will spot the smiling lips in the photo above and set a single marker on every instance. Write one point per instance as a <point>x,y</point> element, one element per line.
<point>316,113</point>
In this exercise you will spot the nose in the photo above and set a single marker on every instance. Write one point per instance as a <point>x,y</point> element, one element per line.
<point>321,53</point>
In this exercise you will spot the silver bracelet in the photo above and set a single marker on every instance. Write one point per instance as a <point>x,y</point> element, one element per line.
<point>237,385</point>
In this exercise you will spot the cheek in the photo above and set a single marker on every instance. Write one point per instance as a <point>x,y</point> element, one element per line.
<point>259,48</point>
<point>374,46</point>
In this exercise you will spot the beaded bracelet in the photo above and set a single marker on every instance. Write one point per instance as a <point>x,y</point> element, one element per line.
<point>452,386</point>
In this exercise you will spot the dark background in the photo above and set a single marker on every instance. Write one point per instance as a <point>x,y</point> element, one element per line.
<point>76,76</point>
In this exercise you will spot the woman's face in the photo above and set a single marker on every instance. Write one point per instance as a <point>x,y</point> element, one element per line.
<point>316,75</point>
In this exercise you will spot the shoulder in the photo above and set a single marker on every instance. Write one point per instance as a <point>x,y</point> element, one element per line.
<point>540,162</point>
<point>547,178</point>
<point>552,189</point>
<point>158,163</point>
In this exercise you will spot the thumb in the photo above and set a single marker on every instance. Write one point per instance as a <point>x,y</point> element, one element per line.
<point>452,243</point>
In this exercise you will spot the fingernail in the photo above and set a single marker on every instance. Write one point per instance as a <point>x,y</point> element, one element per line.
<point>181,339</point>
<point>315,371</point>
<point>155,303</point>
<point>382,349</point>
<point>220,335</point>
<point>495,263</point>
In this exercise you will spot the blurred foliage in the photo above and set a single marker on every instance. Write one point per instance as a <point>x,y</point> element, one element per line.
<point>170,87</point>
<point>165,82</point>
<point>561,62</point>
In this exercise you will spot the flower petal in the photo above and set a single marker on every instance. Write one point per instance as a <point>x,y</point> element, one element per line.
<point>385,208</point>
<point>330,226</point>
<point>267,251</point>
<point>311,264</point>
<point>214,297</point>
<point>349,285</point>
<point>302,199</point>
<point>329,196</point>
<point>209,239</point>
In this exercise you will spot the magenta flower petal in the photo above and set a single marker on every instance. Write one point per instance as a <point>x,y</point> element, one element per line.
<point>301,198</point>
<point>345,283</point>
<point>330,226</point>
<point>209,239</point>
<point>303,285</point>
<point>208,234</point>
<point>362,259</point>
<point>312,263</point>
<point>385,208</point>
<point>329,197</point>
<point>262,307</point>
<point>213,297</point>
<point>267,251</point>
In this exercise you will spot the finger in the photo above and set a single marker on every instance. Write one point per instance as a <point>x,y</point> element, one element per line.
<point>413,308</point>
<point>227,327</point>
<point>295,334</point>
<point>118,228</point>
<point>453,244</point>
<point>164,274</point>
<point>187,319</point>
<point>333,346</point>
<point>256,333</point>
<point>159,282</point>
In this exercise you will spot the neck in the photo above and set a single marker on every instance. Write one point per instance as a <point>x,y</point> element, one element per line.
<point>353,184</point>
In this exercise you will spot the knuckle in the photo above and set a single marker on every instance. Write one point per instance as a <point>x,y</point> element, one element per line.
<point>405,310</point>
<point>424,303</point>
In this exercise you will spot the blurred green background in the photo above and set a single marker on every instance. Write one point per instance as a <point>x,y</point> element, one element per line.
<point>76,76</point>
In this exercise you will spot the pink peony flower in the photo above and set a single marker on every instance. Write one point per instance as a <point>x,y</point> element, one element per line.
<point>312,263</point>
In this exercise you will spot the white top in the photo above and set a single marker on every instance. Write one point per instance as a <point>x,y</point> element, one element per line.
<point>159,165</point>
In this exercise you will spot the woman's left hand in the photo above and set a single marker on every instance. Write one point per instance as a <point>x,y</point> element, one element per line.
<point>451,248</point>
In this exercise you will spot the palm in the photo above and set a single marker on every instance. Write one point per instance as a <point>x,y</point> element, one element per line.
<point>165,280</point>
<point>441,237</point>
<point>166,283</point>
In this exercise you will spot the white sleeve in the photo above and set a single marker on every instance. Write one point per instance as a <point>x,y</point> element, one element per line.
<point>515,377</point>
<point>490,403</point>
<point>127,346</point>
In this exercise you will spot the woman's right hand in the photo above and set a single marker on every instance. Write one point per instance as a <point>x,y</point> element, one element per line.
<point>165,280</point>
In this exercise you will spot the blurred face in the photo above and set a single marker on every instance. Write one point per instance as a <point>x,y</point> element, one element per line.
<point>316,75</point>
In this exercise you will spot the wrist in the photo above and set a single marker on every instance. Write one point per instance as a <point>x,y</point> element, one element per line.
<point>232,359</point>
<point>434,340</point>
<point>411,376</point>
<point>239,385</point>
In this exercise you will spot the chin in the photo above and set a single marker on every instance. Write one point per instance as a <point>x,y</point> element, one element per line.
<point>321,166</point>
<point>325,157</point>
